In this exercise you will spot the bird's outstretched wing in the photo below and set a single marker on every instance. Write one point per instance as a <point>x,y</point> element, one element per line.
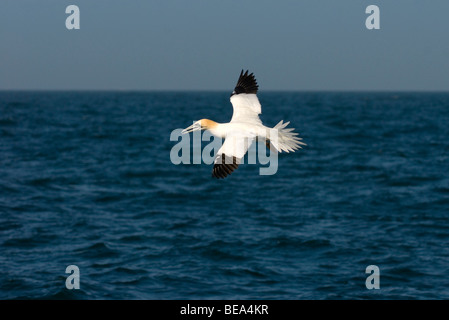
<point>244,100</point>
<point>230,155</point>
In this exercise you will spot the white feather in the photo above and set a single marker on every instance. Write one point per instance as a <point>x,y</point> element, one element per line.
<point>246,108</point>
<point>235,145</point>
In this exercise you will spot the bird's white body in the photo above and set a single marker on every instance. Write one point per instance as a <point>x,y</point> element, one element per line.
<point>223,130</point>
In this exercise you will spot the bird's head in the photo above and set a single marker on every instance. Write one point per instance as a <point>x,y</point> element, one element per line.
<point>203,124</point>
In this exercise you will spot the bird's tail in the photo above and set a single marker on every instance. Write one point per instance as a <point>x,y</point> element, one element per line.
<point>286,140</point>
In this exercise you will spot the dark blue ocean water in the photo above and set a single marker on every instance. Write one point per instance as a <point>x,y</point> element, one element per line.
<point>86,180</point>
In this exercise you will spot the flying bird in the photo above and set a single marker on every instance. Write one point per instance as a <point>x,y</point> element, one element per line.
<point>245,127</point>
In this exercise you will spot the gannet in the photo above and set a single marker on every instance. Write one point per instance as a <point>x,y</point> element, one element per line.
<point>245,126</point>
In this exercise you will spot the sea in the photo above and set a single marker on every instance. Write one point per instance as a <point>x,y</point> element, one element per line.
<point>87,182</point>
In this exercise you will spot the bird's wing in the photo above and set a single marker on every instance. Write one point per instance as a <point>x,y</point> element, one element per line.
<point>230,154</point>
<point>244,100</point>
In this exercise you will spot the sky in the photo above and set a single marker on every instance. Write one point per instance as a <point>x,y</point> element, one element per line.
<point>203,44</point>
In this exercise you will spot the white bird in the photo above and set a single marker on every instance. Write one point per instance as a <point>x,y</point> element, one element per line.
<point>244,127</point>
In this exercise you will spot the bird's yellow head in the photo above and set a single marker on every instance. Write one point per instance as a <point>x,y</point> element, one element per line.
<point>203,124</point>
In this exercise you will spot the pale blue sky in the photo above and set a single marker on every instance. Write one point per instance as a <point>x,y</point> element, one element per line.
<point>203,45</point>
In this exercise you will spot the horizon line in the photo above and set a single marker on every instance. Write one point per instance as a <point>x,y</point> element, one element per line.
<point>220,91</point>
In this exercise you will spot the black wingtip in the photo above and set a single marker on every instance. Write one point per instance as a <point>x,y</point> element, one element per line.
<point>224,166</point>
<point>246,84</point>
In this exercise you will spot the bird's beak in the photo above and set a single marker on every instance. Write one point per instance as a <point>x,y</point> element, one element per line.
<point>192,128</point>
